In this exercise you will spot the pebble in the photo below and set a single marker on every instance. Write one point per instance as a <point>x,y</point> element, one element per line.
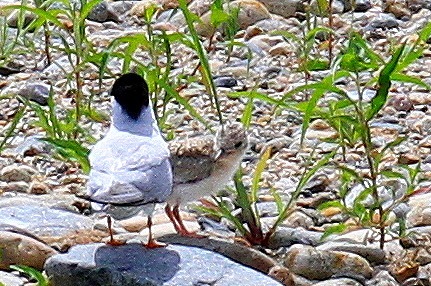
<point>383,21</point>
<point>286,8</point>
<point>382,278</point>
<point>362,5</point>
<point>23,250</point>
<point>225,81</point>
<point>315,264</point>
<point>251,11</point>
<point>35,91</point>
<point>38,188</point>
<point>339,282</point>
<point>9,279</point>
<point>102,12</point>
<point>372,254</point>
<point>19,187</point>
<point>16,173</point>
<point>286,236</point>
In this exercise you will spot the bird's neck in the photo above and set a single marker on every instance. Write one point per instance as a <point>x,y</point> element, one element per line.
<point>145,124</point>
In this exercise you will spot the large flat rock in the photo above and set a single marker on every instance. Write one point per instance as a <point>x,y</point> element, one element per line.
<point>133,264</point>
<point>42,220</point>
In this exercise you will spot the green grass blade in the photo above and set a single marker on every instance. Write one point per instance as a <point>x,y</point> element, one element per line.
<point>71,150</point>
<point>384,81</point>
<point>203,58</point>
<point>9,132</point>
<point>49,16</point>
<point>257,175</point>
<point>33,273</point>
<point>172,92</point>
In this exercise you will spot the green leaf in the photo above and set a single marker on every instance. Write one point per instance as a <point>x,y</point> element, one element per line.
<point>278,201</point>
<point>33,273</point>
<point>48,16</point>
<point>260,167</point>
<point>401,77</point>
<point>247,113</point>
<point>331,204</point>
<point>257,95</point>
<point>205,69</point>
<point>334,229</point>
<point>71,150</point>
<point>384,82</point>
<point>10,131</point>
<point>172,92</point>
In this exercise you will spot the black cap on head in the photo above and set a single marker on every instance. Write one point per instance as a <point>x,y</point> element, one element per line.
<point>131,92</point>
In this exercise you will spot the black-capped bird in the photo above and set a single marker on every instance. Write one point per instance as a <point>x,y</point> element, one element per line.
<point>130,167</point>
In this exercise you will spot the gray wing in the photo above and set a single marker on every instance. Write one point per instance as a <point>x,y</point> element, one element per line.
<point>129,170</point>
<point>192,159</point>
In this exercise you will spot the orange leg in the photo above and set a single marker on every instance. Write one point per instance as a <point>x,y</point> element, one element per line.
<point>183,230</point>
<point>112,241</point>
<point>152,243</point>
<point>171,216</point>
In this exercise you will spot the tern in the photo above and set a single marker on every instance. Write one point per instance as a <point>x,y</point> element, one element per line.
<point>130,166</point>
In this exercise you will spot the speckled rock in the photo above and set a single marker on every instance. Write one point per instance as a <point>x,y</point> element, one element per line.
<point>421,210</point>
<point>372,254</point>
<point>251,11</point>
<point>316,264</point>
<point>20,249</point>
<point>286,8</point>
<point>16,173</point>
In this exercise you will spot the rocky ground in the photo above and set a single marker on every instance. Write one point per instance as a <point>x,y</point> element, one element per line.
<point>40,215</point>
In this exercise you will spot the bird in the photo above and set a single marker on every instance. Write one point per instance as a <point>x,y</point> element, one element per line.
<point>202,166</point>
<point>130,167</point>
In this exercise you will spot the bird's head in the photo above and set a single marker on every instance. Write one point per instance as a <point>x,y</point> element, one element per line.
<point>131,92</point>
<point>232,137</point>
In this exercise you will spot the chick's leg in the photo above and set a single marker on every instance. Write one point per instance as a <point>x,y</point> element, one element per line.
<point>183,230</point>
<point>172,218</point>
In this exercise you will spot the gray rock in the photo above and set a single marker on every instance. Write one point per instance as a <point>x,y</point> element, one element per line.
<point>121,7</point>
<point>383,21</point>
<point>133,264</point>
<point>35,91</point>
<point>286,236</point>
<point>339,282</point>
<point>383,278</point>
<point>9,279</point>
<point>286,8</point>
<point>225,81</point>
<point>43,221</point>
<point>32,145</point>
<point>316,264</point>
<point>362,5</point>
<point>103,12</point>
<point>247,256</point>
<point>267,209</point>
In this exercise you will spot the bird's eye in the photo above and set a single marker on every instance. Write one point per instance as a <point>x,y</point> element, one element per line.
<point>239,144</point>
